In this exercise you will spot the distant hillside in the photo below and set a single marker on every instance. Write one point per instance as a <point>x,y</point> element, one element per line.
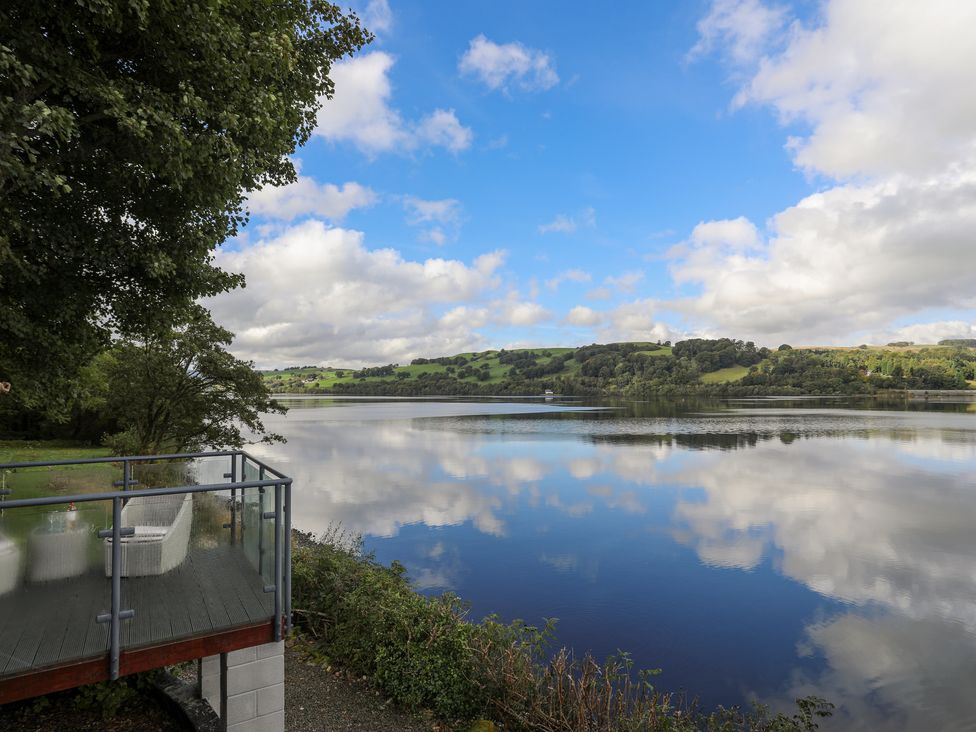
<point>713,366</point>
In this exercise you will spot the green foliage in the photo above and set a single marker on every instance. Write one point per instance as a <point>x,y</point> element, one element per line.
<point>178,389</point>
<point>107,697</point>
<point>130,135</point>
<point>717,367</point>
<point>424,653</point>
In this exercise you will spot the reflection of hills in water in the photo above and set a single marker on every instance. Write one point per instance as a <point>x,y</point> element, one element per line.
<point>727,430</point>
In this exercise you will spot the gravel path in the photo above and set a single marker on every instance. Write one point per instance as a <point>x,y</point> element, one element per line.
<point>319,701</point>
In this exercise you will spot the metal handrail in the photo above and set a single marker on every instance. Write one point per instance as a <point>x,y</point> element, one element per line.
<point>143,458</point>
<point>282,524</point>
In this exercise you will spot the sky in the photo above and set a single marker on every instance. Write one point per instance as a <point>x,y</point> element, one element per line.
<point>522,174</point>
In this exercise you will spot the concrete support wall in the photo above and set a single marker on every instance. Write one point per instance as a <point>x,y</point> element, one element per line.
<point>255,688</point>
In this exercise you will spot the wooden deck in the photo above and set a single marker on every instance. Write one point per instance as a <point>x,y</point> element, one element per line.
<point>53,623</point>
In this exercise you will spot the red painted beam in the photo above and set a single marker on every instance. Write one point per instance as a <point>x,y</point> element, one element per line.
<point>67,676</point>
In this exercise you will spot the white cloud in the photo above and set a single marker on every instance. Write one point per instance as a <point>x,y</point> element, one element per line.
<point>741,27</point>
<point>625,282</point>
<point>582,315</point>
<point>306,197</point>
<point>317,294</point>
<point>501,66</point>
<point>378,18</point>
<point>520,313</point>
<point>441,218</point>
<point>568,275</point>
<point>635,321</point>
<point>442,128</point>
<point>422,211</point>
<point>850,259</point>
<point>360,112</point>
<point>892,100</point>
<point>568,224</point>
<point>926,332</point>
<point>883,114</point>
<point>599,293</point>
<point>738,233</point>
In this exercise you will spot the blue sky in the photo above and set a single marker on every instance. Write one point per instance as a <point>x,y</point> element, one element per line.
<point>504,174</point>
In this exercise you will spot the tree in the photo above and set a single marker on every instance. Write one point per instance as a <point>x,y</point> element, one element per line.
<point>130,135</point>
<point>178,389</point>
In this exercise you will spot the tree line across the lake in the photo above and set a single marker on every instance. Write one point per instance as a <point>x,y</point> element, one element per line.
<point>720,366</point>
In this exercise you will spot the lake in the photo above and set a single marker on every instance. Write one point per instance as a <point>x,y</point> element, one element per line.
<point>760,548</point>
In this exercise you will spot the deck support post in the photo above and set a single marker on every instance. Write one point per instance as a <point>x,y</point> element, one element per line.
<point>247,688</point>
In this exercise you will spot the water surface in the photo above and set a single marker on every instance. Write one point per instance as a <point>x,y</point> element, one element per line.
<point>751,549</point>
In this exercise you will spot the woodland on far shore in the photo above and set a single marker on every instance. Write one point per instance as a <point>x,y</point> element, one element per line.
<point>722,366</point>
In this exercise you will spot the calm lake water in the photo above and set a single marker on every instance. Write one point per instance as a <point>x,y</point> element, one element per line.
<point>751,549</point>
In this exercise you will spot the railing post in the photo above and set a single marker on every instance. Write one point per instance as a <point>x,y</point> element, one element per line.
<point>287,559</point>
<point>116,615</point>
<point>233,500</point>
<point>277,559</point>
<point>261,493</point>
<point>116,581</point>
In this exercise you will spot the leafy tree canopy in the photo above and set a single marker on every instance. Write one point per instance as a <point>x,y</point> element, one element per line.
<point>176,388</point>
<point>130,133</point>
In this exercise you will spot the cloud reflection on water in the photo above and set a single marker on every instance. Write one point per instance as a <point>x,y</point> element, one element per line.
<point>874,510</point>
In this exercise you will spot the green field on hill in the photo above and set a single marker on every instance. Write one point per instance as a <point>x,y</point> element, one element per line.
<point>640,370</point>
<point>303,378</point>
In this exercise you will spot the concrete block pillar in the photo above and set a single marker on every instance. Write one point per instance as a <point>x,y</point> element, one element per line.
<point>247,687</point>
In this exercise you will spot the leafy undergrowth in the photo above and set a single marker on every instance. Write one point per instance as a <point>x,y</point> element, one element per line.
<point>425,654</point>
<point>123,705</point>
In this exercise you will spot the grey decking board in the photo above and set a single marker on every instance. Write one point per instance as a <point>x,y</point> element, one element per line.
<point>54,622</point>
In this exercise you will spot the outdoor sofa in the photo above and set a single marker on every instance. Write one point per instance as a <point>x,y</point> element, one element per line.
<point>162,535</point>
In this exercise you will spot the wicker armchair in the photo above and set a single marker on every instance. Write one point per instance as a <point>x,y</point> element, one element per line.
<point>162,535</point>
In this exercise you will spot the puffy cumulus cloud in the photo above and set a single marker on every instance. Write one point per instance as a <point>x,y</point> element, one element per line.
<point>440,219</point>
<point>361,113</point>
<point>568,275</point>
<point>866,95</point>
<point>318,294</point>
<point>584,316</point>
<point>881,113</point>
<point>738,233</point>
<point>849,259</point>
<point>564,224</point>
<point>507,65</point>
<point>306,197</point>
<point>635,321</point>
<point>519,312</point>
<point>442,128</point>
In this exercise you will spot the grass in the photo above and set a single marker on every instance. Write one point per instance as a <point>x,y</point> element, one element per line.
<point>725,376</point>
<point>62,480</point>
